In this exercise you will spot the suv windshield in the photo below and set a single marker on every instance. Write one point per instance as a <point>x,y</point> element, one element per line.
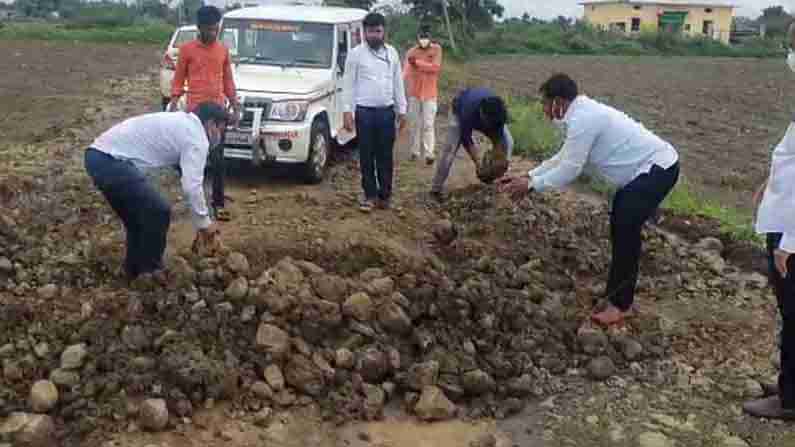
<point>293,44</point>
<point>185,36</point>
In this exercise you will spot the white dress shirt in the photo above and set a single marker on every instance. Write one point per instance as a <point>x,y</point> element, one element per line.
<point>373,79</point>
<point>605,142</point>
<point>163,139</point>
<point>776,213</point>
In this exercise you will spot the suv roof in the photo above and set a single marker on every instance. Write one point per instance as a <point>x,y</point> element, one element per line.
<point>314,14</point>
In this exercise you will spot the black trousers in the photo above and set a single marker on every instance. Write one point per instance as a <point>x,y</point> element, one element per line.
<point>785,294</point>
<point>376,131</point>
<point>633,205</point>
<point>218,169</point>
<point>143,211</point>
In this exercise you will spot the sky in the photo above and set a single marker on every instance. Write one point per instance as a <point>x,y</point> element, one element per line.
<point>548,9</point>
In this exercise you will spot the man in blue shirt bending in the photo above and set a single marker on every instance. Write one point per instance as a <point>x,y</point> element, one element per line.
<point>473,109</point>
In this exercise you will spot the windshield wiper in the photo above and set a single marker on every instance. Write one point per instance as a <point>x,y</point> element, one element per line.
<point>308,61</point>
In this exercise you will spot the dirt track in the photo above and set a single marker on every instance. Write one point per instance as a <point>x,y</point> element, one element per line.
<point>691,396</point>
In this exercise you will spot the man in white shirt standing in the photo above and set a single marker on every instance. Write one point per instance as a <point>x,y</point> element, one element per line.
<point>775,218</point>
<point>606,142</point>
<point>118,159</point>
<point>374,91</point>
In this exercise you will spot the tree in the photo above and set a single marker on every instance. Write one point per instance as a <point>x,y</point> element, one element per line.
<point>473,14</point>
<point>526,18</point>
<point>775,19</point>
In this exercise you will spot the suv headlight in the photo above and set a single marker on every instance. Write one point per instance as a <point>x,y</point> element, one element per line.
<point>288,111</point>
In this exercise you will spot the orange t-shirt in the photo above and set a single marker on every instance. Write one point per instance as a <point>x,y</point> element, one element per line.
<point>422,78</point>
<point>208,72</point>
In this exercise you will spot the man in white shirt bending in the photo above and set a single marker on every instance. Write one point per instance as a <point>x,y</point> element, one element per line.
<point>374,103</point>
<point>643,167</point>
<point>118,159</point>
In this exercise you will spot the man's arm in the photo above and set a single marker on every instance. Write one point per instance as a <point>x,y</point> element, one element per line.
<point>229,80</point>
<point>349,80</point>
<point>399,89</point>
<point>180,74</point>
<point>580,138</point>
<point>193,161</point>
<point>432,67</point>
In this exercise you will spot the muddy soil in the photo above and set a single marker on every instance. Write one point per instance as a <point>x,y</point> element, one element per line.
<point>509,294</point>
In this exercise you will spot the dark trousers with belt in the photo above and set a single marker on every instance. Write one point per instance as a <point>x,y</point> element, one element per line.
<point>633,205</point>
<point>376,131</point>
<point>218,168</point>
<point>785,294</point>
<point>145,214</point>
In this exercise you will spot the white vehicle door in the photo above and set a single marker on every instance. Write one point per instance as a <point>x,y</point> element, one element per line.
<point>339,71</point>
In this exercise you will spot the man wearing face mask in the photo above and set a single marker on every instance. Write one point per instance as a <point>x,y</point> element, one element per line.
<point>775,219</point>
<point>606,142</point>
<point>205,65</point>
<point>373,89</point>
<point>422,78</point>
<point>118,159</point>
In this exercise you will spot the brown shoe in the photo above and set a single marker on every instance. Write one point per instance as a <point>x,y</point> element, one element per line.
<point>769,389</point>
<point>769,408</point>
<point>383,204</point>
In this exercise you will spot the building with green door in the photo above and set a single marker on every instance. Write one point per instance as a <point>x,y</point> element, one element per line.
<point>708,18</point>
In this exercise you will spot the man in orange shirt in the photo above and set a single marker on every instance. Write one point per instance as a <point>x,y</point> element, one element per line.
<point>204,64</point>
<point>422,78</point>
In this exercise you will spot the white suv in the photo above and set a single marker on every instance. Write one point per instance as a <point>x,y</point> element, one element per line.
<point>168,63</point>
<point>288,63</point>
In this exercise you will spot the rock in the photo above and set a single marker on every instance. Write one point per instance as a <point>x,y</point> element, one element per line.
<point>182,272</point>
<point>478,382</point>
<point>358,306</point>
<point>394,319</point>
<point>48,292</point>
<point>393,358</point>
<point>273,340</point>
<point>64,378</point>
<point>5,265</point>
<point>43,396</point>
<point>28,430</point>
<point>74,356</point>
<point>709,244</point>
<point>285,277</point>
<point>12,371</point>
<point>323,365</point>
<point>654,439</point>
<point>343,358</point>
<point>484,440</point>
<point>601,368</point>
<point>423,374</point>
<point>372,365</point>
<point>273,375</point>
<point>302,374</point>
<point>238,289</point>
<point>444,231</point>
<point>276,302</point>
<point>434,405</point>
<point>7,350</point>
<point>374,401</point>
<point>371,274</point>
<point>153,415</point>
<point>381,287</point>
<point>389,389</point>
<point>262,390</point>
<point>734,441</point>
<point>284,398</point>
<point>521,386</point>
<point>328,313</point>
<point>331,287</point>
<point>42,350</point>
<point>237,263</point>
<point>263,417</point>
<point>309,268</point>
<point>592,341</point>
<point>135,337</point>
<point>631,349</point>
<point>752,389</point>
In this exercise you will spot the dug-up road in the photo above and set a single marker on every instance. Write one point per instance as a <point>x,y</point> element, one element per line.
<point>349,329</point>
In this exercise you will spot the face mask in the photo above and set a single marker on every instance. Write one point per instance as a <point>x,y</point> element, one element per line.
<point>424,43</point>
<point>791,60</point>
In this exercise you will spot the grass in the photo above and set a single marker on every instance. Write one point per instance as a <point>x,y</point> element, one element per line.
<point>152,33</point>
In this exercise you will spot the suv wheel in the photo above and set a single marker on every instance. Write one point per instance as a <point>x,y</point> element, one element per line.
<point>319,146</point>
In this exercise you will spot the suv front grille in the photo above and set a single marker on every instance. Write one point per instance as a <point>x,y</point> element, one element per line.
<point>247,120</point>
